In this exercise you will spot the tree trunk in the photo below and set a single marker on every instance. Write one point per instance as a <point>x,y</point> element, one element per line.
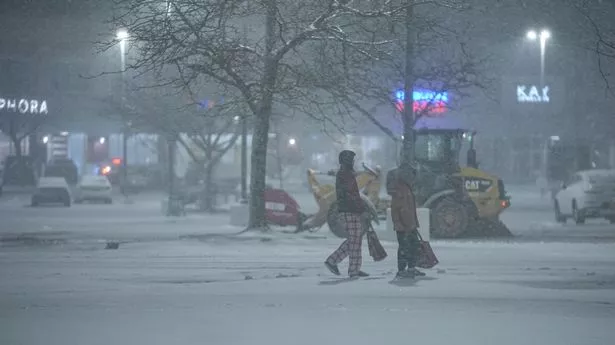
<point>258,172</point>
<point>16,144</point>
<point>260,137</point>
<point>210,192</point>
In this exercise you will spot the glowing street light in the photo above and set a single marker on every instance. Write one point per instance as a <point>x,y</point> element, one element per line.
<point>122,35</point>
<point>292,141</point>
<point>544,35</point>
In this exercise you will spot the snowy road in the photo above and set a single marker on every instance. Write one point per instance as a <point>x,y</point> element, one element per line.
<point>181,282</point>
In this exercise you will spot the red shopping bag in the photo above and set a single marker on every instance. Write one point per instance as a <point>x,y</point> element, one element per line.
<point>376,250</point>
<point>426,257</point>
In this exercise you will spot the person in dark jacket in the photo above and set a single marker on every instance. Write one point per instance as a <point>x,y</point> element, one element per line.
<point>405,220</point>
<point>351,207</point>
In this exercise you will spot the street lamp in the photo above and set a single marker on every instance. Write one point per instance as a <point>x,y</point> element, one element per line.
<point>544,35</point>
<point>122,34</point>
<point>122,37</point>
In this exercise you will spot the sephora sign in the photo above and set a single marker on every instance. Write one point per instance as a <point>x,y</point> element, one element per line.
<point>23,106</point>
<point>532,94</point>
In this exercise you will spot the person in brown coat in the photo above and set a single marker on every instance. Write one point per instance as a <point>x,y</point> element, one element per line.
<point>405,220</point>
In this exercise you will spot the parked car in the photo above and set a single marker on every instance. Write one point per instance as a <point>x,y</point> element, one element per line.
<point>94,188</point>
<point>62,167</point>
<point>586,194</point>
<point>51,190</point>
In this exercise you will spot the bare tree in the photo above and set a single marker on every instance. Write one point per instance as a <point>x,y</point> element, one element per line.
<point>598,21</point>
<point>19,125</point>
<point>206,130</point>
<point>436,58</point>
<point>250,49</point>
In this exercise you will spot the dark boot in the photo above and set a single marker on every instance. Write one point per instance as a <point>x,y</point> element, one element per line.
<point>359,274</point>
<point>333,268</point>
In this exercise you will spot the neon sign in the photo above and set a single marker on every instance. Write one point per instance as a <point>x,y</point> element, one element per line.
<point>209,104</point>
<point>423,100</point>
<point>532,94</point>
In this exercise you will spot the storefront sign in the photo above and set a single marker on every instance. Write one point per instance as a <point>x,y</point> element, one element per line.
<point>24,106</point>
<point>532,94</point>
<point>423,100</point>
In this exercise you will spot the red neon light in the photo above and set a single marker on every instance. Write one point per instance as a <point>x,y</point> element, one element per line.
<point>437,107</point>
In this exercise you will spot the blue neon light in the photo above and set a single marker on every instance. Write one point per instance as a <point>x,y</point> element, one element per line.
<point>208,104</point>
<point>423,95</point>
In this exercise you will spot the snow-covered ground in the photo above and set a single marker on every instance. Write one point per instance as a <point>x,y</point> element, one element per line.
<point>193,280</point>
<point>243,291</point>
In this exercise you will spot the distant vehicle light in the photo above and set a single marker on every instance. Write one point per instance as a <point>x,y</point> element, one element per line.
<point>116,161</point>
<point>106,170</point>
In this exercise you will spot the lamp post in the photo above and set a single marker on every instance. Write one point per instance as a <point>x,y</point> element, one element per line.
<point>244,159</point>
<point>544,36</point>
<point>122,37</point>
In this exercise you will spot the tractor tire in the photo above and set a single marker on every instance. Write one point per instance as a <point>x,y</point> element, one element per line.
<point>488,228</point>
<point>450,218</point>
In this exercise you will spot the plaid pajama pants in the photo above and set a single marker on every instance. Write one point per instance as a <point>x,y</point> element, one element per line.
<point>352,245</point>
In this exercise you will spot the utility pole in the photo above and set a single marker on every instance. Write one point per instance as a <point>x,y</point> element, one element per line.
<point>173,207</point>
<point>122,36</point>
<point>407,154</point>
<point>244,158</point>
<point>244,143</point>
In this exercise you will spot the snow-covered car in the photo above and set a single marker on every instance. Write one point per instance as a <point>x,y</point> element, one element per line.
<point>94,188</point>
<point>586,194</point>
<point>51,190</point>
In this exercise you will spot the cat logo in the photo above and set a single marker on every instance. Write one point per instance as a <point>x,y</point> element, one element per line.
<point>477,184</point>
